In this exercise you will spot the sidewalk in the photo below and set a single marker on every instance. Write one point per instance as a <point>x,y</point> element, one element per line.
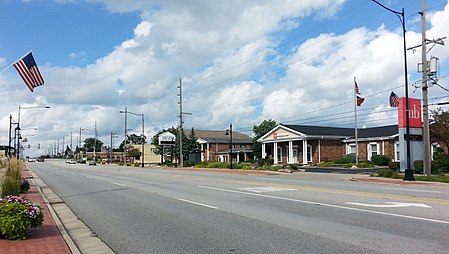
<point>45,239</point>
<point>381,180</point>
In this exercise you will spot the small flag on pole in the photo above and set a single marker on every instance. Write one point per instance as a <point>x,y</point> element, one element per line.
<point>394,100</point>
<point>360,100</point>
<point>28,71</point>
<point>356,87</point>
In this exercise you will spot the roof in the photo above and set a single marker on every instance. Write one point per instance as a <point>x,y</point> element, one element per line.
<point>220,137</point>
<point>382,131</point>
<point>320,130</point>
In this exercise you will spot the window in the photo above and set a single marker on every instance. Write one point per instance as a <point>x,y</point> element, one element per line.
<point>279,154</point>
<point>373,149</point>
<point>351,148</point>
<point>396,152</point>
<point>309,153</point>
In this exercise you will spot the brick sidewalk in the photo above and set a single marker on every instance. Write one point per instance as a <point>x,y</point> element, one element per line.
<point>46,239</point>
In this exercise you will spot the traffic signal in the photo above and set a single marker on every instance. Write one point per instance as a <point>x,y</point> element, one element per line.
<point>29,146</point>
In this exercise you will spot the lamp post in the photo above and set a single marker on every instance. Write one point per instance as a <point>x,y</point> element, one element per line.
<point>229,132</point>
<point>111,152</point>
<point>95,140</point>
<point>408,171</point>
<point>143,131</point>
<point>18,122</point>
<point>124,145</point>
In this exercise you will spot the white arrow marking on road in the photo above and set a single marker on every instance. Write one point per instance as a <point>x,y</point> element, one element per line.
<point>393,205</point>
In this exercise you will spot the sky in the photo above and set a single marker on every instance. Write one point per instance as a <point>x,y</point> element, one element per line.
<point>239,62</point>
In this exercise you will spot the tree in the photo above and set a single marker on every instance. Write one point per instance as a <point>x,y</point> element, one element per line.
<point>191,143</point>
<point>134,140</point>
<point>258,132</point>
<point>155,139</point>
<point>187,144</point>
<point>89,144</point>
<point>135,153</point>
<point>439,128</point>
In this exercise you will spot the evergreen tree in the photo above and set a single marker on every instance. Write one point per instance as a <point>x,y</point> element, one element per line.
<point>259,131</point>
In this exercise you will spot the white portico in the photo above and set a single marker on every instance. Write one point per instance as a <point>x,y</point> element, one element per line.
<point>302,144</point>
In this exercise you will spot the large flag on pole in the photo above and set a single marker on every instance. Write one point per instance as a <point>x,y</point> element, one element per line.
<point>394,100</point>
<point>29,72</point>
<point>359,99</point>
<point>356,87</point>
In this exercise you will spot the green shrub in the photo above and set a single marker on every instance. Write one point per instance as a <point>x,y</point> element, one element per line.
<point>128,164</point>
<point>24,185</point>
<point>137,164</point>
<point>246,167</point>
<point>202,164</point>
<point>326,164</point>
<point>388,173</point>
<point>265,162</point>
<point>440,161</point>
<point>418,167</point>
<point>381,160</point>
<point>10,186</point>
<point>17,215</point>
<point>121,163</point>
<point>275,167</point>
<point>218,165</point>
<point>393,165</point>
<point>294,166</point>
<point>349,158</point>
<point>189,163</point>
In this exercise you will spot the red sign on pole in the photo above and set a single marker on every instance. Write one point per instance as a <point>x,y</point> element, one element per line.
<point>414,106</point>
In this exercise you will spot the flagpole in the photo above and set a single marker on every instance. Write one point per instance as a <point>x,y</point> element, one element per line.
<point>9,66</point>
<point>355,129</point>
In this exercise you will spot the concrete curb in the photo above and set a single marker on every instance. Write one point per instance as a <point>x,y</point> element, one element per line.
<point>77,235</point>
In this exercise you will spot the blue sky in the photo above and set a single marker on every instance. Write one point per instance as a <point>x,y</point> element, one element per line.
<point>240,62</point>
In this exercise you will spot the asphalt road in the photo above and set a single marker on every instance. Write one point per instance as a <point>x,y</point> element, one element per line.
<point>137,210</point>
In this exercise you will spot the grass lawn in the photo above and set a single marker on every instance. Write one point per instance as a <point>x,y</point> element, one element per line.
<point>435,178</point>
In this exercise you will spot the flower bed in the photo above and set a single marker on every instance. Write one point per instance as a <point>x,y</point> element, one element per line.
<point>17,215</point>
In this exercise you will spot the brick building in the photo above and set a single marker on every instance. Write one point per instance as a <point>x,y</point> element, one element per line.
<point>215,146</point>
<point>314,144</point>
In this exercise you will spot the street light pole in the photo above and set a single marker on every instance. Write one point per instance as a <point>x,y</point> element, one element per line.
<point>408,171</point>
<point>143,141</point>
<point>229,132</point>
<point>126,112</point>
<point>124,145</point>
<point>18,123</point>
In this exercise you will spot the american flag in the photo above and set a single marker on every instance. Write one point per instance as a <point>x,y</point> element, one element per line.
<point>394,100</point>
<point>356,87</point>
<point>360,100</point>
<point>28,71</point>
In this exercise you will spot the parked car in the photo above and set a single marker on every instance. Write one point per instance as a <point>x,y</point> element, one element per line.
<point>72,161</point>
<point>40,159</point>
<point>31,160</point>
<point>92,163</point>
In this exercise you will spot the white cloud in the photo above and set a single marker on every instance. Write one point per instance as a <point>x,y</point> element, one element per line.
<point>231,67</point>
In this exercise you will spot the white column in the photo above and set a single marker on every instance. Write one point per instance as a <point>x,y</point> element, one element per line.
<point>304,152</point>
<point>263,151</point>
<point>290,152</point>
<point>319,150</point>
<point>275,153</point>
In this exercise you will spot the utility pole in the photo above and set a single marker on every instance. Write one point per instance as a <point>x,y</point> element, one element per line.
<point>181,159</point>
<point>426,132</point>
<point>181,122</point>
<point>428,72</point>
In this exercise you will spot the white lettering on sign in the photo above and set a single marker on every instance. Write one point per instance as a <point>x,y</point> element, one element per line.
<point>415,114</point>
